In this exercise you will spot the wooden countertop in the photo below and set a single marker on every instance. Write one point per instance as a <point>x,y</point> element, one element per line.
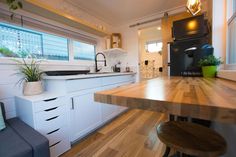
<point>205,98</point>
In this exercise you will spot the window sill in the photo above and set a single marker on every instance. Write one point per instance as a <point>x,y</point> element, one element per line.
<point>227,74</point>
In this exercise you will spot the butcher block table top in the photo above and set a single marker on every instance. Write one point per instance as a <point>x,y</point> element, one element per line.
<point>205,98</point>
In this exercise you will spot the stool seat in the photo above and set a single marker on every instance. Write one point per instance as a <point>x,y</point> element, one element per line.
<point>191,139</point>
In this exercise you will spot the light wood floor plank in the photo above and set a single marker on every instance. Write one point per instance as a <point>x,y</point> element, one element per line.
<point>132,134</point>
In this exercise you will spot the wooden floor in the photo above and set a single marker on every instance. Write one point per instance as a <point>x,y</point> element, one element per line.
<point>132,134</point>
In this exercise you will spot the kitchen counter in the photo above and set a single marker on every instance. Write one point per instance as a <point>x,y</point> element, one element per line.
<point>205,98</point>
<point>90,75</point>
<point>76,93</point>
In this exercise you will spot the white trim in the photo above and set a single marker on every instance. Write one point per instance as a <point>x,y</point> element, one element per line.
<point>230,67</point>
<point>229,10</point>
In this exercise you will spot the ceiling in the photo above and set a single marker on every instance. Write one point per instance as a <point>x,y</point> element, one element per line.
<point>118,12</point>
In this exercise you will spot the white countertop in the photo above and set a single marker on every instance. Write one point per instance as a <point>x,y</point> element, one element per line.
<point>83,76</point>
<point>43,96</point>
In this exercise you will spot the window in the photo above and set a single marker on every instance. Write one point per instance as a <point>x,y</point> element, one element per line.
<point>16,42</point>
<point>83,51</point>
<point>231,54</point>
<point>154,46</point>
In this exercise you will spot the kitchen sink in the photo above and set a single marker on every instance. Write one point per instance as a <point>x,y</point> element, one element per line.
<point>65,72</point>
<point>103,73</point>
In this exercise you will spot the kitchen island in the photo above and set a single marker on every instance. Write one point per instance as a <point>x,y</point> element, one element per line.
<point>204,98</point>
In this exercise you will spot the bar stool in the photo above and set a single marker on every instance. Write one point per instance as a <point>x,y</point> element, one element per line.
<point>191,139</point>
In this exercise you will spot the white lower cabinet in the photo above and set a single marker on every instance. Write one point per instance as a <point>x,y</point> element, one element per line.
<point>85,114</point>
<point>108,112</point>
<point>72,115</point>
<point>50,117</point>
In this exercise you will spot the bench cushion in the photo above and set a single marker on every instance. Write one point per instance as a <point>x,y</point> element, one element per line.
<point>2,122</point>
<point>38,142</point>
<point>12,145</point>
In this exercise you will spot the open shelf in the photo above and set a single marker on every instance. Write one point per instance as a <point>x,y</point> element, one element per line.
<point>39,8</point>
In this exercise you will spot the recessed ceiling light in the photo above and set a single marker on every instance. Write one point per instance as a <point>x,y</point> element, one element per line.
<point>159,28</point>
<point>139,32</point>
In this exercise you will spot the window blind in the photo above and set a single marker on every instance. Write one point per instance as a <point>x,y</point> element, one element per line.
<point>29,22</point>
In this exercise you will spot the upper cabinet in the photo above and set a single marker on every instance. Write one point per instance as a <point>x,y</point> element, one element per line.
<point>39,8</point>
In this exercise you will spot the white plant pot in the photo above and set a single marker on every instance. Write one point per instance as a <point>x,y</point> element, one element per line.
<point>32,88</point>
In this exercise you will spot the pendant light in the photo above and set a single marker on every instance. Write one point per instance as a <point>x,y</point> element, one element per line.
<point>194,6</point>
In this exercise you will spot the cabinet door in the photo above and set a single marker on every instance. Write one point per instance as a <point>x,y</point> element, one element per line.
<point>85,115</point>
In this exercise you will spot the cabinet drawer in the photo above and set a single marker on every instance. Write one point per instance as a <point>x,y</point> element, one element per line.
<point>116,79</point>
<point>50,123</point>
<point>50,113</point>
<point>56,135</point>
<point>50,103</point>
<point>59,147</point>
<point>81,84</point>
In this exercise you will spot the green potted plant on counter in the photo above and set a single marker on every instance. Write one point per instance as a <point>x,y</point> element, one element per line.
<point>31,76</point>
<point>209,65</point>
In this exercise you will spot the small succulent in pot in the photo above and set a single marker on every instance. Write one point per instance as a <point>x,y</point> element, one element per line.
<point>209,65</point>
<point>31,76</point>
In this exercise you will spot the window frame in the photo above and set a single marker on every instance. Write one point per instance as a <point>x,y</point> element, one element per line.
<point>151,42</point>
<point>77,40</point>
<point>70,61</point>
<point>229,20</point>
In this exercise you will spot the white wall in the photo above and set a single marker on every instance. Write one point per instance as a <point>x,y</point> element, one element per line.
<point>219,27</point>
<point>130,44</point>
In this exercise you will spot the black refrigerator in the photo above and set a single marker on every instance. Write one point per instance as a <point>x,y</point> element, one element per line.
<point>191,38</point>
<point>184,56</point>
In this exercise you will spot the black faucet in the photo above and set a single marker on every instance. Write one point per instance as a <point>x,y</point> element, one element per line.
<point>96,61</point>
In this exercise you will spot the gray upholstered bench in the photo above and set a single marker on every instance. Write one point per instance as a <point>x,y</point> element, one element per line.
<point>20,140</point>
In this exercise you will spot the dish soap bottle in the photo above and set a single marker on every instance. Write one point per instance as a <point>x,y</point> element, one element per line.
<point>127,68</point>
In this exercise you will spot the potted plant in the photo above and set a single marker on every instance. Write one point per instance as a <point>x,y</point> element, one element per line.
<point>4,51</point>
<point>209,65</point>
<point>14,5</point>
<point>31,77</point>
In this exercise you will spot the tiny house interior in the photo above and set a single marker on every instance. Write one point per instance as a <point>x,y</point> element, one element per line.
<point>117,78</point>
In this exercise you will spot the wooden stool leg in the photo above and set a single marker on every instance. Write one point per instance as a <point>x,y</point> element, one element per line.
<point>171,117</point>
<point>167,152</point>
<point>179,118</point>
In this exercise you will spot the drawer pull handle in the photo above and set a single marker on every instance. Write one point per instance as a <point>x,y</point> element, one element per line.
<point>51,109</point>
<point>53,131</point>
<point>55,143</point>
<point>50,99</point>
<point>52,118</point>
<point>73,103</point>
